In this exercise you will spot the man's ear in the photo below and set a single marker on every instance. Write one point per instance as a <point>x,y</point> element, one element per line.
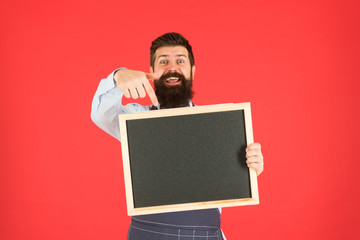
<point>151,70</point>
<point>193,71</point>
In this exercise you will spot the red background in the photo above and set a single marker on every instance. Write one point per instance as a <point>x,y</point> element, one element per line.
<point>295,61</point>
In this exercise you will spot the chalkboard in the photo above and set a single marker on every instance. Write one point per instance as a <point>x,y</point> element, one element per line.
<point>187,158</point>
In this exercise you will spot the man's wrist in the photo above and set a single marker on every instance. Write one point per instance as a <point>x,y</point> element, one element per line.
<point>115,73</point>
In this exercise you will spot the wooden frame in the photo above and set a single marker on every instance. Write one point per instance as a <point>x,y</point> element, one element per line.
<point>123,120</point>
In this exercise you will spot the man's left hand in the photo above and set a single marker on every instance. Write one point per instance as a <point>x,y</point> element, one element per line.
<point>255,158</point>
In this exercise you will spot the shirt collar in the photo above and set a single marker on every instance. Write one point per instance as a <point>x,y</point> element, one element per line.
<point>152,107</point>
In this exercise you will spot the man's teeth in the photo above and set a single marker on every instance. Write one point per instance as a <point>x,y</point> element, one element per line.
<point>172,79</point>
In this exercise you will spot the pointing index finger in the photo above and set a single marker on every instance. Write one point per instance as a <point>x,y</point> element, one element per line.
<point>151,93</point>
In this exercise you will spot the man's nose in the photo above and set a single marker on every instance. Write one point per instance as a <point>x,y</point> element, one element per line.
<point>172,67</point>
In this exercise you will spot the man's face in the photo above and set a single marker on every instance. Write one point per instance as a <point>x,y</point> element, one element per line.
<point>173,59</point>
<point>174,87</point>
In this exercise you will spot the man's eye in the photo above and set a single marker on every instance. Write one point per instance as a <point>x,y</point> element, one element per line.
<point>163,62</point>
<point>181,61</point>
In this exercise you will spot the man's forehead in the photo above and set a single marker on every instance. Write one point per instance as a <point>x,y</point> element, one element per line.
<point>171,51</point>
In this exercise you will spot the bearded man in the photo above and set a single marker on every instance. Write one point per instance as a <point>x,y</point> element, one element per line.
<point>172,68</point>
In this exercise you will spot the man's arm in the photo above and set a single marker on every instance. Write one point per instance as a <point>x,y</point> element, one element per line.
<point>106,104</point>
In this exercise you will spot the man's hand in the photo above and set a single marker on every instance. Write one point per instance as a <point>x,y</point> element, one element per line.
<point>135,84</point>
<point>255,158</point>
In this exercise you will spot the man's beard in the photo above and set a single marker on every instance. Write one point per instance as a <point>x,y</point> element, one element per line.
<point>172,96</point>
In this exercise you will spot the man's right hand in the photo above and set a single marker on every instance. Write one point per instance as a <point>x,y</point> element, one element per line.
<point>136,84</point>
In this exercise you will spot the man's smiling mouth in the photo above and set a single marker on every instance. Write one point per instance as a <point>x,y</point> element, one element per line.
<point>172,81</point>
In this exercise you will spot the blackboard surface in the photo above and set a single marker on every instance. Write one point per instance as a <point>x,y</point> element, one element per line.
<point>189,158</point>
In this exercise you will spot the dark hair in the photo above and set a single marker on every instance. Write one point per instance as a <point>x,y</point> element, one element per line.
<point>171,39</point>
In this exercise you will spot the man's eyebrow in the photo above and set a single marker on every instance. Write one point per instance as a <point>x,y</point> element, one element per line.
<point>177,55</point>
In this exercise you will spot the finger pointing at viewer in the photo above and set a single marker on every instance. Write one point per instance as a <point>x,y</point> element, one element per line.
<point>135,84</point>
